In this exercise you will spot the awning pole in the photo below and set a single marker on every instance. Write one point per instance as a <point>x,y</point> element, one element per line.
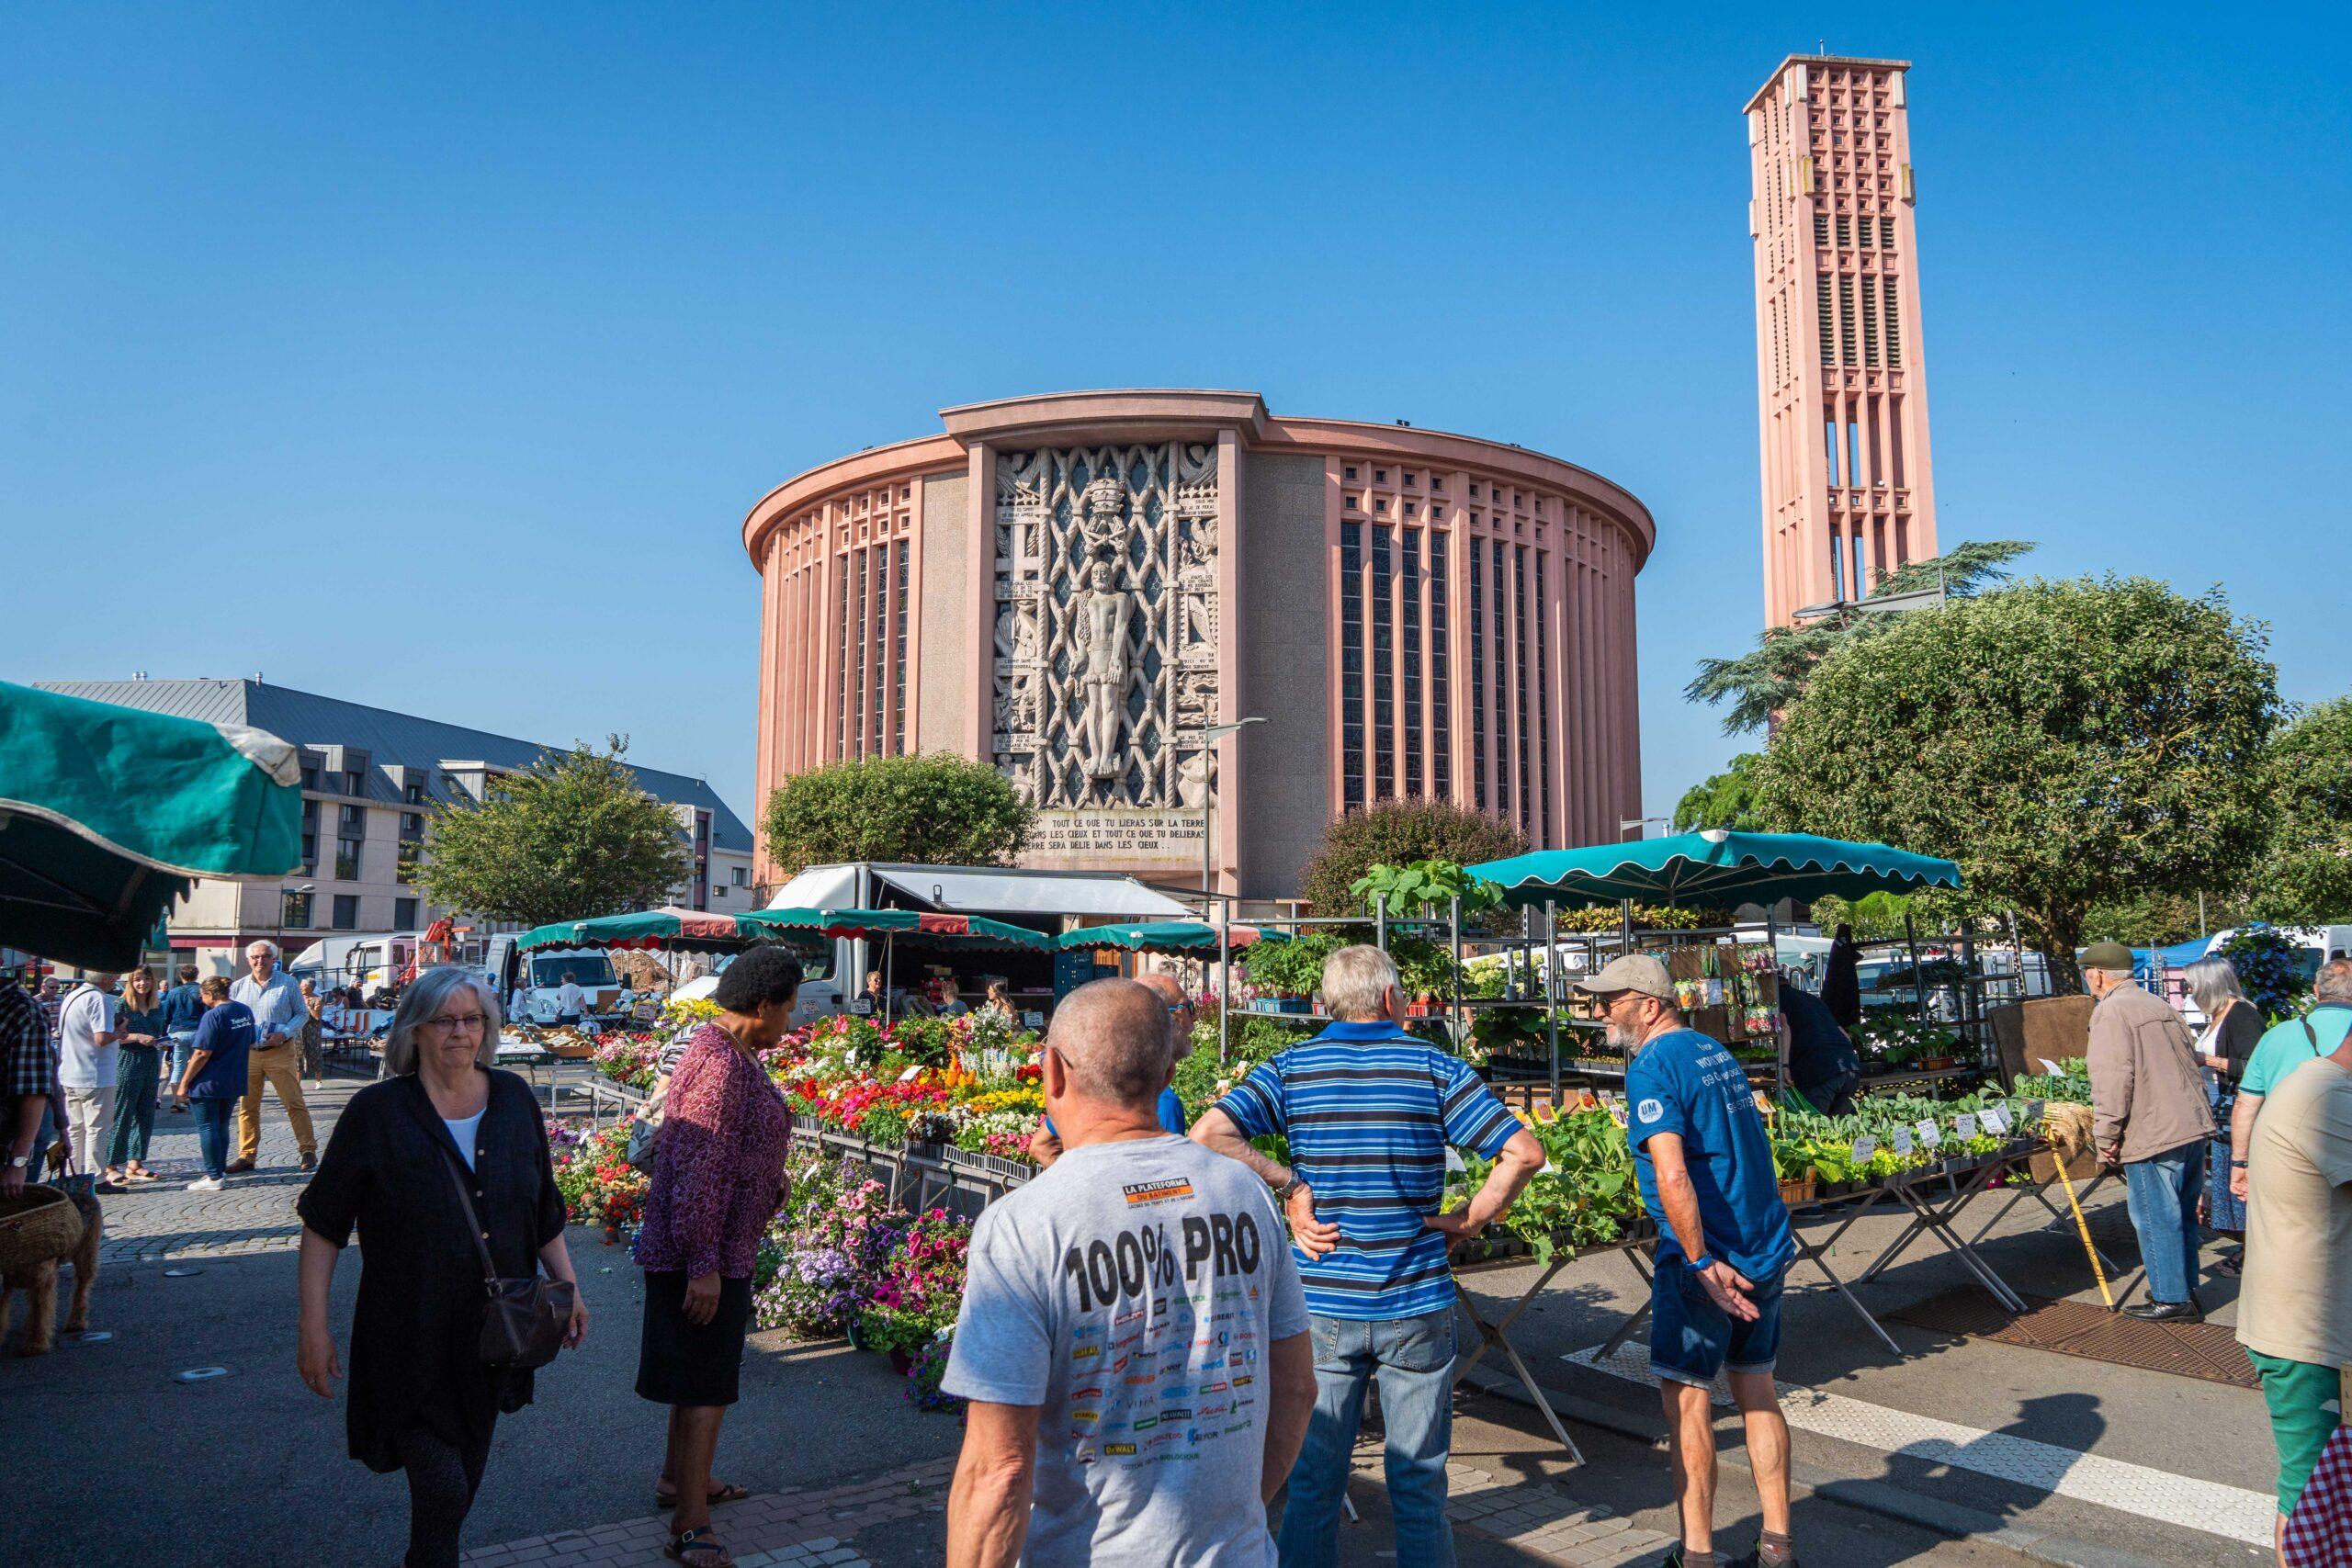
<point>1552,992</point>
<point>1918,981</point>
<point>890,949</point>
<point>1225,979</point>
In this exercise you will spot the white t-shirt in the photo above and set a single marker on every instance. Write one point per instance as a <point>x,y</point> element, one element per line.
<point>571,1001</point>
<point>463,1129</point>
<point>82,1062</point>
<point>1132,1292</point>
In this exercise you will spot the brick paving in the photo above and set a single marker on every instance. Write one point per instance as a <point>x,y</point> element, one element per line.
<point>254,1214</point>
<point>767,1531</point>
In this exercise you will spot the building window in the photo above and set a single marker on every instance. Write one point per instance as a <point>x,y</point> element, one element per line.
<point>739,876</point>
<point>1384,663</point>
<point>899,662</point>
<point>1870,321</point>
<point>411,824</point>
<point>1543,836</point>
<point>1352,472</point>
<point>346,860</point>
<point>310,855</point>
<point>1828,322</point>
<point>309,775</point>
<point>1477,676</point>
<point>356,781</point>
<point>848,662</point>
<point>1352,664</point>
<point>404,865</point>
<point>351,821</point>
<point>1506,726</point>
<point>1410,656</point>
<point>346,912</point>
<point>403,914</point>
<point>1380,476</point>
<point>1894,331</point>
<point>294,911</point>
<point>1441,695</point>
<point>1520,725</point>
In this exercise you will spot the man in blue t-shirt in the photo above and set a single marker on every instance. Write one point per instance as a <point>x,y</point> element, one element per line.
<point>1705,1166</point>
<point>1368,1111</point>
<point>213,1083</point>
<point>1046,1144</point>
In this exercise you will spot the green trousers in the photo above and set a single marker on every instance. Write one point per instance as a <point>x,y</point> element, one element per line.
<point>138,1070</point>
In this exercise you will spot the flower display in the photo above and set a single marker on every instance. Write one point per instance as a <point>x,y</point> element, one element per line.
<point>598,1185</point>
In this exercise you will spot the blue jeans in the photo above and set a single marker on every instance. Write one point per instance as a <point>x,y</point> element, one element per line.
<point>2162,1194</point>
<point>212,1118</point>
<point>183,1047</point>
<point>1413,1359</point>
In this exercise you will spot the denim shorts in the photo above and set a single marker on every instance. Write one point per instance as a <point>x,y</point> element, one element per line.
<point>1691,1338</point>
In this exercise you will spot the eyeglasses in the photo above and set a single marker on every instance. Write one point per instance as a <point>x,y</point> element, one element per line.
<point>471,1023</point>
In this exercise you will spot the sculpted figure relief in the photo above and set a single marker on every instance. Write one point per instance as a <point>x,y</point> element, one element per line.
<point>1103,628</point>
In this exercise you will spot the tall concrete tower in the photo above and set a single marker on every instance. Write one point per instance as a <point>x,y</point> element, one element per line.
<point>1840,368</point>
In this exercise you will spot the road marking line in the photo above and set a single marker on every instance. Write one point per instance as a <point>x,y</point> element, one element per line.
<point>2230,1512</point>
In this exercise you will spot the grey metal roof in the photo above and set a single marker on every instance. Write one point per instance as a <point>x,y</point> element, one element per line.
<point>388,738</point>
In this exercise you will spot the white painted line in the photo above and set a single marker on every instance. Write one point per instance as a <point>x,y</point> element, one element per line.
<point>2230,1512</point>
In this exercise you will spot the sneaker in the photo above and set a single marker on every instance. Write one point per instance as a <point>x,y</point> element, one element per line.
<point>207,1184</point>
<point>237,1164</point>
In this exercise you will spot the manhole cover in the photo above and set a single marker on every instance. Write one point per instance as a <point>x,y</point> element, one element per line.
<point>200,1375</point>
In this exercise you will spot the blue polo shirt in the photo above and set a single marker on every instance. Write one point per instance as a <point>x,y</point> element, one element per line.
<point>1171,1114</point>
<point>1369,1113</point>
<point>1688,1084</point>
<point>227,1032</point>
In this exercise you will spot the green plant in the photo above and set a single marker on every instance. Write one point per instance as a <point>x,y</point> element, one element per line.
<point>1433,884</point>
<point>2268,970</point>
<point>932,810</point>
<point>1398,833</point>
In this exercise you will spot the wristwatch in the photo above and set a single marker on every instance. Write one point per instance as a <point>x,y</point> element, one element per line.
<point>2237,1165</point>
<point>18,1162</point>
<point>1281,1193</point>
<point>1699,1264</point>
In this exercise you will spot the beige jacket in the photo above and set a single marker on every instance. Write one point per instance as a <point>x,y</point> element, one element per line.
<point>2147,1094</point>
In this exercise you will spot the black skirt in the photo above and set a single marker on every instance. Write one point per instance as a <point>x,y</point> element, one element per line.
<point>679,1363</point>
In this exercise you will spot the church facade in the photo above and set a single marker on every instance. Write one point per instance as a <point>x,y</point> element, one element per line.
<point>1088,590</point>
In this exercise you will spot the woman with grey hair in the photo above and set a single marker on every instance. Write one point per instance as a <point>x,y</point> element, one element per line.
<point>441,1134</point>
<point>2233,1026</point>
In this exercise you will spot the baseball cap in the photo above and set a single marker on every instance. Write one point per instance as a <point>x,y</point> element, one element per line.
<point>1635,972</point>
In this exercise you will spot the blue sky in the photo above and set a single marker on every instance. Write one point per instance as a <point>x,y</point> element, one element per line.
<point>430,356</point>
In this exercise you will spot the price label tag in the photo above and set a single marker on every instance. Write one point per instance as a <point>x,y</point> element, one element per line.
<point>910,1074</point>
<point>1617,1112</point>
<point>864,1007</point>
<point>1999,1116</point>
<point>1864,1147</point>
<point>1964,1125</point>
<point>2049,1067</point>
<point>1929,1134</point>
<point>1764,1104</point>
<point>1902,1140</point>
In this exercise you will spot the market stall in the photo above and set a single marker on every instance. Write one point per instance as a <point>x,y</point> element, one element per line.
<point>916,928</point>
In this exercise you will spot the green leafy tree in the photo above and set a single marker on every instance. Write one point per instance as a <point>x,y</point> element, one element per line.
<point>1770,677</point>
<point>1725,800</point>
<point>1397,833</point>
<point>572,837</point>
<point>2305,878</point>
<point>932,810</point>
<point>2063,743</point>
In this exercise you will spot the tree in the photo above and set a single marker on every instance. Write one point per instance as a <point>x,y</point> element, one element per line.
<point>572,837</point>
<point>1724,800</point>
<point>2306,877</point>
<point>1399,832</point>
<point>933,810</point>
<point>2064,743</point>
<point>1769,678</point>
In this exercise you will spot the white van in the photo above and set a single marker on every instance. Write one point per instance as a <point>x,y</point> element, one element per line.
<point>539,977</point>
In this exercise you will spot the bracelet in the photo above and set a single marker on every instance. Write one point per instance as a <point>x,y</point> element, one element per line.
<point>1699,1264</point>
<point>2238,1164</point>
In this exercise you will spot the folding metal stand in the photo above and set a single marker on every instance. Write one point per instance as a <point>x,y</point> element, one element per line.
<point>1932,1212</point>
<point>2040,1195</point>
<point>1498,1336</point>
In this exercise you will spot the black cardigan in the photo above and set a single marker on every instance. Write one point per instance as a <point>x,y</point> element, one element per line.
<point>414,1332</point>
<point>2240,1032</point>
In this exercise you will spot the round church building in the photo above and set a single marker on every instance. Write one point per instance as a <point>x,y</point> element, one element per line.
<point>1091,590</point>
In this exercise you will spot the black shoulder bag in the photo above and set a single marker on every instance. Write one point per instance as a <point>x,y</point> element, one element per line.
<point>523,1321</point>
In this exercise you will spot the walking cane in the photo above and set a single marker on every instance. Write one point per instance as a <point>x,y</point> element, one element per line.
<point>2082,1227</point>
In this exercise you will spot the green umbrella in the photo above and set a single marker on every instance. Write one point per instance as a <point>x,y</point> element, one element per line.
<point>1177,937</point>
<point>1715,867</point>
<point>668,929</point>
<point>917,926</point>
<point>107,814</point>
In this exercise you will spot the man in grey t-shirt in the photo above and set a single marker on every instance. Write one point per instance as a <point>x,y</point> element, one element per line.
<point>1132,1337</point>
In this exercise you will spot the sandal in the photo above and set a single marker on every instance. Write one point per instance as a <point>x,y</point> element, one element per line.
<point>706,1551</point>
<point>729,1492</point>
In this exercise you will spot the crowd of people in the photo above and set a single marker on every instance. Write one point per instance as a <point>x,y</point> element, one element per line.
<point>85,1070</point>
<point>1167,1329</point>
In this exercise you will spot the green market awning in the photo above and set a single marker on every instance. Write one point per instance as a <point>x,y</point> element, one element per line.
<point>1177,937</point>
<point>1715,867</point>
<point>108,812</point>
<point>915,926</point>
<point>668,929</point>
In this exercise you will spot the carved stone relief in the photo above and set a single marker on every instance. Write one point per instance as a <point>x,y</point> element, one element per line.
<point>1106,624</point>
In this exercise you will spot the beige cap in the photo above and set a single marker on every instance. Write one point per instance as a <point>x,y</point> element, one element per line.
<point>1635,972</point>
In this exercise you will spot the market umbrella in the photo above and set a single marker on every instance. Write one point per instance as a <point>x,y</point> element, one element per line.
<point>919,925</point>
<point>1177,937</point>
<point>108,812</point>
<point>692,930</point>
<point>1715,867</point>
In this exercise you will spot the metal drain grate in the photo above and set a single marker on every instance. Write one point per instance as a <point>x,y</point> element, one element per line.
<point>2207,1352</point>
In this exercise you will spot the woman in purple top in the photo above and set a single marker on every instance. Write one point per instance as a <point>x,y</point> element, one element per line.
<point>718,1181</point>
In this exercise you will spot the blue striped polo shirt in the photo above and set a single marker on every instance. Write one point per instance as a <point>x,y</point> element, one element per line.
<point>1369,1113</point>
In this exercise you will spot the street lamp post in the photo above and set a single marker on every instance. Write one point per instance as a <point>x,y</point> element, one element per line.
<point>1210,735</point>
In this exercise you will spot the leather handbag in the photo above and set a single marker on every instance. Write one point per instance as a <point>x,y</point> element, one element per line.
<point>523,1320</point>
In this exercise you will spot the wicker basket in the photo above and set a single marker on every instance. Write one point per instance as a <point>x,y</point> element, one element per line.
<point>38,1224</point>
